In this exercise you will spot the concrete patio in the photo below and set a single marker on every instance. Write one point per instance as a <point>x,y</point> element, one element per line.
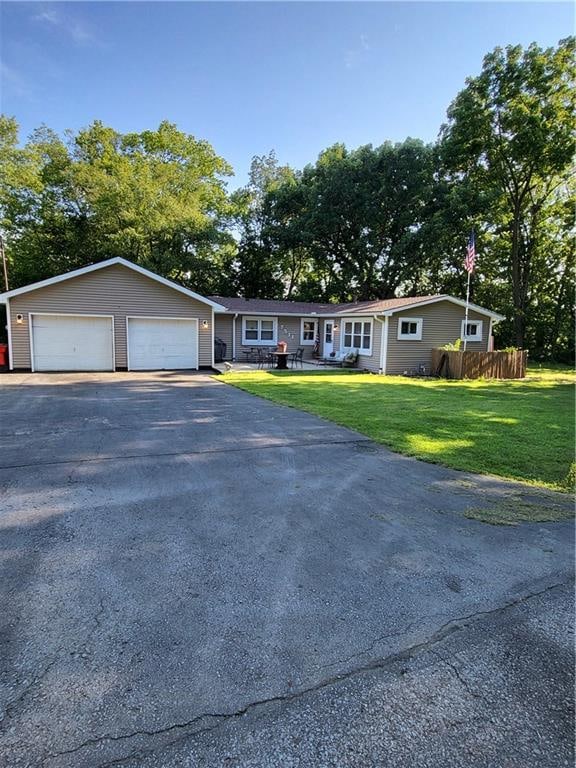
<point>239,366</point>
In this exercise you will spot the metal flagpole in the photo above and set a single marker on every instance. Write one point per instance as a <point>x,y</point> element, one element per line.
<point>466,313</point>
<point>4,264</point>
<point>469,265</point>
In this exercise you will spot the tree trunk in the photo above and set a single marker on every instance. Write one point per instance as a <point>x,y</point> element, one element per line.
<point>562,306</point>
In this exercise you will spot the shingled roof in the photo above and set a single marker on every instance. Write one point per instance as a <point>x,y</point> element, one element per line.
<point>257,306</point>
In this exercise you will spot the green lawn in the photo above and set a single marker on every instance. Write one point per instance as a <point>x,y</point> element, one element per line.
<point>515,429</point>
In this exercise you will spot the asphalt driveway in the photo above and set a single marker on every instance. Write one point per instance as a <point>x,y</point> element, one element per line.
<point>191,576</point>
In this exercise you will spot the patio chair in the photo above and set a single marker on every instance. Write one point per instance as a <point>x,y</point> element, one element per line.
<point>350,359</point>
<point>262,356</point>
<point>265,358</point>
<point>297,358</point>
<point>335,358</point>
<point>250,355</point>
<point>346,359</point>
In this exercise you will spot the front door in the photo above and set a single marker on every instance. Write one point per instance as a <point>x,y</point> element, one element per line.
<point>328,337</point>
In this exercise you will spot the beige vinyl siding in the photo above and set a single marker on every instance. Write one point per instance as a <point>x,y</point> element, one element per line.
<point>223,330</point>
<point>288,331</point>
<point>442,323</point>
<point>372,363</point>
<point>114,290</point>
<point>289,328</point>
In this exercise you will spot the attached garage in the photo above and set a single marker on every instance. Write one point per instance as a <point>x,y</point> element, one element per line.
<point>110,316</point>
<point>162,343</point>
<point>71,342</point>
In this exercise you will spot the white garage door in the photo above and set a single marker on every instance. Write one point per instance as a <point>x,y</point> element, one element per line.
<point>156,343</point>
<point>72,343</point>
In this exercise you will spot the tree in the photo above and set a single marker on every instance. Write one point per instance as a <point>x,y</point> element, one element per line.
<point>349,227</point>
<point>258,272</point>
<point>156,197</point>
<point>511,134</point>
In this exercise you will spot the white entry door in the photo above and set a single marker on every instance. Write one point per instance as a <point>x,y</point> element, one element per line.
<point>72,343</point>
<point>157,343</point>
<point>328,337</point>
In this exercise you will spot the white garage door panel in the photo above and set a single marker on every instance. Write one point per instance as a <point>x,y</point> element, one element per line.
<point>162,344</point>
<point>72,343</point>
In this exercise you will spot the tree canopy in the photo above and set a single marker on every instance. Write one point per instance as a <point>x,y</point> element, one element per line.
<point>365,223</point>
<point>157,198</point>
<point>510,136</point>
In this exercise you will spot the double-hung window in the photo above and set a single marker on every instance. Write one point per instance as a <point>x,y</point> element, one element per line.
<point>259,330</point>
<point>410,328</point>
<point>471,330</point>
<point>357,335</point>
<point>308,331</point>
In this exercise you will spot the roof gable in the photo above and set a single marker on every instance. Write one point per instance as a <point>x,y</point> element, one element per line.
<point>422,301</point>
<point>102,265</point>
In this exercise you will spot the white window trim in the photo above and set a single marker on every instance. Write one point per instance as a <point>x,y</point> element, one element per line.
<point>410,336</point>
<point>363,352</point>
<point>258,342</point>
<point>477,336</point>
<point>307,342</point>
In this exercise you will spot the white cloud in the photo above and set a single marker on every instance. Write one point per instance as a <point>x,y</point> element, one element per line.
<point>14,82</point>
<point>51,17</point>
<point>10,75</point>
<point>357,55</point>
<point>73,27</point>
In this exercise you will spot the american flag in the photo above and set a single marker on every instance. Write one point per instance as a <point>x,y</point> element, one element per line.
<point>470,259</point>
<point>316,350</point>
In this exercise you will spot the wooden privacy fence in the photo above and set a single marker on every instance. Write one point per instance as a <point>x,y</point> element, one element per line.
<point>476,365</point>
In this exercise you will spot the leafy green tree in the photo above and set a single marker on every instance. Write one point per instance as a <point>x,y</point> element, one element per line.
<point>258,271</point>
<point>286,207</point>
<point>349,227</point>
<point>156,197</point>
<point>511,135</point>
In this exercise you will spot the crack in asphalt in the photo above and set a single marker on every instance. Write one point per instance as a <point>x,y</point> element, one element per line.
<point>441,634</point>
<point>97,623</point>
<point>12,705</point>
<point>371,646</point>
<point>457,674</point>
<point>229,449</point>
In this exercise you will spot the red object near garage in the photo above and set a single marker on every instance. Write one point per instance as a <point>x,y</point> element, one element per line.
<point>3,355</point>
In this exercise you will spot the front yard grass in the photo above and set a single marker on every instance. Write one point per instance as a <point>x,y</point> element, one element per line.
<point>522,430</point>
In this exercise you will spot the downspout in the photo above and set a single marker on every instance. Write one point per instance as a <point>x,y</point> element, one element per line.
<point>213,318</point>
<point>490,346</point>
<point>493,322</point>
<point>9,330</point>
<point>383,343</point>
<point>234,336</point>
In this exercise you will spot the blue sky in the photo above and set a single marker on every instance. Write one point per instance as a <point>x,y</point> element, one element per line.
<point>250,77</point>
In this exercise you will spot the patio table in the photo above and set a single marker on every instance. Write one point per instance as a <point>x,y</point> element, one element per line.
<point>281,360</point>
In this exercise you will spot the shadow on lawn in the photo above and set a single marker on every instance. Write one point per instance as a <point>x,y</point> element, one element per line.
<point>517,429</point>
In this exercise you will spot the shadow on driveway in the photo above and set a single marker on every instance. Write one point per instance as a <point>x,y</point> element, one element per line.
<point>175,552</point>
